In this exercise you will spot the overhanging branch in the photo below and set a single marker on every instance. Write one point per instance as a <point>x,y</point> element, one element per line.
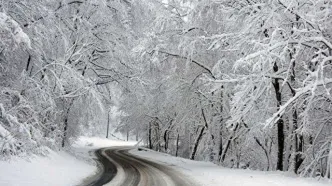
<point>191,60</point>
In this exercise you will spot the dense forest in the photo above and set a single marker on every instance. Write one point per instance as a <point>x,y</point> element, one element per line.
<point>241,83</point>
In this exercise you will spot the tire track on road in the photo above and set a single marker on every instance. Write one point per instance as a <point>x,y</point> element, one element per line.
<point>120,168</point>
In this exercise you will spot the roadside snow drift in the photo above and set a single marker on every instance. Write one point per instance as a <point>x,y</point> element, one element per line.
<point>57,169</point>
<point>209,174</point>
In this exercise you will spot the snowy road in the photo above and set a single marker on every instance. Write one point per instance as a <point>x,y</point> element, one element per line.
<point>124,169</point>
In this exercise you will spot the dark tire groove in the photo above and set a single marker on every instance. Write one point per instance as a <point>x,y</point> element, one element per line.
<point>108,173</point>
<point>134,168</point>
<point>175,175</point>
<point>131,171</point>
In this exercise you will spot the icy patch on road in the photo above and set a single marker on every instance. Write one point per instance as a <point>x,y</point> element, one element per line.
<point>56,169</point>
<point>209,174</point>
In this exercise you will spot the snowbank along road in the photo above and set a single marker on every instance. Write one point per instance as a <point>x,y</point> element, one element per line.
<point>120,168</point>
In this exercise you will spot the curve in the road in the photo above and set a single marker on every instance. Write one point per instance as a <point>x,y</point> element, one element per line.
<point>124,169</point>
<point>108,173</point>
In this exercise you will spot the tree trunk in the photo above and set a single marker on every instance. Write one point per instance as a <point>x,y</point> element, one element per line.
<point>136,133</point>
<point>223,155</point>
<point>158,135</point>
<point>65,131</point>
<point>297,137</point>
<point>150,136</point>
<point>329,163</point>
<point>65,127</point>
<point>280,123</point>
<point>127,134</point>
<point>198,139</point>
<point>108,124</point>
<point>177,144</point>
<point>220,145</point>
<point>166,140</point>
<point>230,139</point>
<point>28,64</point>
<point>265,151</point>
<point>200,135</point>
<point>298,145</point>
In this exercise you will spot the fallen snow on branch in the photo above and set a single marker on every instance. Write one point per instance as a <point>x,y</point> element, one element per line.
<point>10,25</point>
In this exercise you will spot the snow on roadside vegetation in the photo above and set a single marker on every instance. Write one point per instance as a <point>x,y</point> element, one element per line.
<point>8,24</point>
<point>209,174</point>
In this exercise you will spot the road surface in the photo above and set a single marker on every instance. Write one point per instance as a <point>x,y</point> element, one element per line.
<point>124,169</point>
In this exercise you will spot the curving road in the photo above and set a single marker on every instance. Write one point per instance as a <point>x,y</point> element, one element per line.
<point>120,168</point>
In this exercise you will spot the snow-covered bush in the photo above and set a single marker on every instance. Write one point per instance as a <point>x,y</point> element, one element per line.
<point>21,129</point>
<point>11,33</point>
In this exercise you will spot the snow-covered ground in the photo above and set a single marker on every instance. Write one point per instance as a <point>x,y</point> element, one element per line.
<point>209,174</point>
<point>57,168</point>
<point>65,169</point>
<point>95,143</point>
